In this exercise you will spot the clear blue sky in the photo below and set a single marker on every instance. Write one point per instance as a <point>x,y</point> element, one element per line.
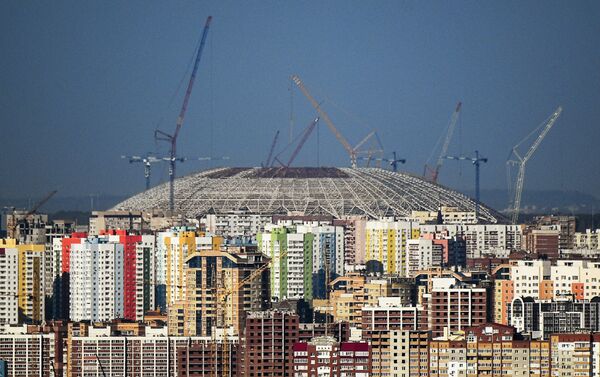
<point>85,82</point>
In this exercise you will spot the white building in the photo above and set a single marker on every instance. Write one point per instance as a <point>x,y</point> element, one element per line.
<point>422,255</point>
<point>482,239</point>
<point>96,280</point>
<point>528,275</point>
<point>570,277</point>
<point>9,272</point>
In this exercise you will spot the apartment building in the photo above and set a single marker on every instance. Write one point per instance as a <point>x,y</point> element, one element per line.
<point>22,280</point>
<point>590,239</point>
<point>221,287</point>
<point>309,257</point>
<point>543,241</point>
<point>269,340</point>
<point>353,292</point>
<point>579,279</point>
<point>423,254</point>
<point>32,351</point>
<point>137,350</point>
<point>543,318</point>
<point>324,356</point>
<point>129,221</point>
<point>386,243</point>
<point>452,306</point>
<point>96,280</point>
<point>380,327</point>
<point>481,239</point>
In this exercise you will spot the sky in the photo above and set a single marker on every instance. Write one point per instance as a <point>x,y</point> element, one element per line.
<point>83,83</point>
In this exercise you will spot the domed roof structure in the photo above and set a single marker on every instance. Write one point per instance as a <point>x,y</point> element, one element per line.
<point>337,192</point>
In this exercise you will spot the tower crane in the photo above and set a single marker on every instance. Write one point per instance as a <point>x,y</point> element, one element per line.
<point>16,222</point>
<point>515,158</point>
<point>477,162</point>
<point>393,162</point>
<point>172,138</point>
<point>322,114</point>
<point>149,159</point>
<point>432,173</point>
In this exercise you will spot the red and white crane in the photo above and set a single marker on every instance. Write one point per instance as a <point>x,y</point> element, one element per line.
<point>172,138</point>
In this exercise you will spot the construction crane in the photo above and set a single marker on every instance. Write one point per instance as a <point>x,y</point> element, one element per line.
<point>271,150</point>
<point>322,114</point>
<point>515,158</point>
<point>393,162</point>
<point>172,139</point>
<point>15,222</point>
<point>432,173</point>
<point>305,136</point>
<point>376,148</point>
<point>149,159</point>
<point>477,162</point>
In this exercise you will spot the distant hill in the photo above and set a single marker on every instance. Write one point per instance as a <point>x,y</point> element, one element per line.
<point>66,203</point>
<point>543,201</point>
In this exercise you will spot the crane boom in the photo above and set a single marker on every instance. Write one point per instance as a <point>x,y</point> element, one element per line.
<point>41,202</point>
<point>522,162</point>
<point>188,91</point>
<point>172,139</point>
<point>15,222</point>
<point>351,152</point>
<point>451,126</point>
<point>307,133</point>
<point>272,149</point>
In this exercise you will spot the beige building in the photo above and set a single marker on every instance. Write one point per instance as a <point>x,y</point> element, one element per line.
<point>221,287</point>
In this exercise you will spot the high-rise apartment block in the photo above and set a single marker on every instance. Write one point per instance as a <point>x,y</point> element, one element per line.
<point>269,340</point>
<point>453,306</point>
<point>324,356</point>
<point>218,293</point>
<point>386,243</point>
<point>22,280</point>
<point>96,280</point>
<point>307,258</point>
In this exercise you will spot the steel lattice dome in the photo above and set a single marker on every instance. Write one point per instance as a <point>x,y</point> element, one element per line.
<point>337,192</point>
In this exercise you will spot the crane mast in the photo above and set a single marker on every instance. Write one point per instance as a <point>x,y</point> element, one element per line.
<point>172,139</point>
<point>322,114</point>
<point>521,161</point>
<point>477,163</point>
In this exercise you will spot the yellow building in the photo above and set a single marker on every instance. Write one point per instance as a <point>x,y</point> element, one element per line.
<point>22,281</point>
<point>179,245</point>
<point>217,294</point>
<point>386,243</point>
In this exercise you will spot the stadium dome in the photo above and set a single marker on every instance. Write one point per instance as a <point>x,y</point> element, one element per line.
<point>337,192</point>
